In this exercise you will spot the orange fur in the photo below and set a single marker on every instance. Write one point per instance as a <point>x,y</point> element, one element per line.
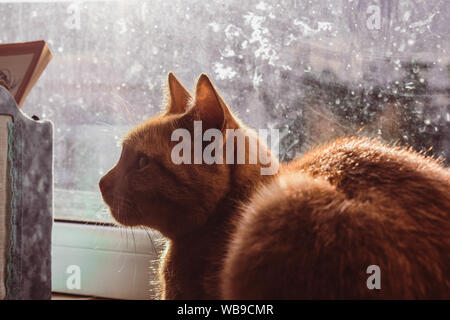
<point>308,232</point>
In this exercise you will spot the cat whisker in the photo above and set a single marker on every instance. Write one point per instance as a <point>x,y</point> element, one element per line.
<point>134,242</point>
<point>125,104</point>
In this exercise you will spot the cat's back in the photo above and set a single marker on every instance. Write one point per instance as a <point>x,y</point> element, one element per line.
<point>329,215</point>
<point>361,168</point>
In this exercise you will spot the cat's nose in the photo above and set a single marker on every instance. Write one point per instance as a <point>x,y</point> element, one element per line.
<point>102,185</point>
<point>106,183</point>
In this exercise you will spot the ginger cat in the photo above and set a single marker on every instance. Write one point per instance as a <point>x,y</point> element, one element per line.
<point>310,231</point>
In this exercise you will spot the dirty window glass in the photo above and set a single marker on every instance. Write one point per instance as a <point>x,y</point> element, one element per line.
<point>314,69</point>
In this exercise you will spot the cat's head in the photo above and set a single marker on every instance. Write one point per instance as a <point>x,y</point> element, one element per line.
<point>148,186</point>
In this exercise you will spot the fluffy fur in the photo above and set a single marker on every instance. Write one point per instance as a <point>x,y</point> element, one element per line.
<point>308,232</point>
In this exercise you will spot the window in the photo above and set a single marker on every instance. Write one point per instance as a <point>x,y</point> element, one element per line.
<point>314,69</point>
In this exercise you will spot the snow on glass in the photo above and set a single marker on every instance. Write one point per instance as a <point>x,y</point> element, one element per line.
<point>313,69</point>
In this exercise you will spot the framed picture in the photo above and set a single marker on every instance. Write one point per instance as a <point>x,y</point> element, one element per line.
<point>21,65</point>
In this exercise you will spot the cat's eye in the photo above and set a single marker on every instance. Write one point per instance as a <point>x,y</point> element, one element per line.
<point>143,161</point>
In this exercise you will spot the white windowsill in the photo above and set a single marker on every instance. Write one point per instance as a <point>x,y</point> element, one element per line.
<point>114,262</point>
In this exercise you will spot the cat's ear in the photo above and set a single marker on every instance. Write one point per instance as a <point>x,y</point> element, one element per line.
<point>179,96</point>
<point>210,107</point>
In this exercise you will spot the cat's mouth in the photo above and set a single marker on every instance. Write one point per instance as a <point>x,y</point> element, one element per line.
<point>124,211</point>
